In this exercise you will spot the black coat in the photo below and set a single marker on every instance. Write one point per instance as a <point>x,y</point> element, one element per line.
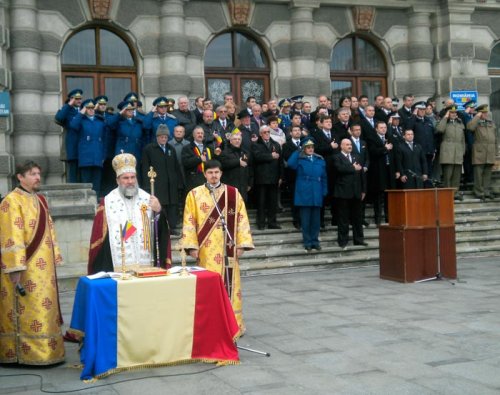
<point>288,149</point>
<point>408,162</point>
<point>233,173</point>
<point>191,162</point>
<point>267,170</point>
<point>380,175</point>
<point>168,177</point>
<point>349,182</point>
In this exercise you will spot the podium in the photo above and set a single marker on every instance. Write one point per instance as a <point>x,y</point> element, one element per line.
<point>409,243</point>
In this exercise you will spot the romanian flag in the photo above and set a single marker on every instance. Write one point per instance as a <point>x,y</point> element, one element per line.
<point>197,325</point>
<point>128,230</point>
<point>218,140</point>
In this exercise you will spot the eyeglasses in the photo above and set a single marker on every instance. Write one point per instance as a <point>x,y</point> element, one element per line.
<point>265,131</point>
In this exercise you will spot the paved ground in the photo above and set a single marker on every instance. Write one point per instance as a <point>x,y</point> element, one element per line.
<point>341,331</point>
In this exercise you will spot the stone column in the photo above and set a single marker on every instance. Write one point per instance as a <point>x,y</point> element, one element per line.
<point>27,83</point>
<point>173,49</point>
<point>420,54</point>
<point>305,51</point>
<point>6,159</point>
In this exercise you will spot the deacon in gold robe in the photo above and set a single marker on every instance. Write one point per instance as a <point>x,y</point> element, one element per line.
<point>30,317</point>
<point>204,237</point>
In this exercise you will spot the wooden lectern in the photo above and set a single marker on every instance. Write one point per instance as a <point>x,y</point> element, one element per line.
<point>409,243</point>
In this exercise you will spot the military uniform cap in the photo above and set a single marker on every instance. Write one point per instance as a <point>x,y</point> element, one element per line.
<point>452,108</point>
<point>124,163</point>
<point>307,141</point>
<point>395,101</point>
<point>470,104</point>
<point>76,93</point>
<point>170,101</point>
<point>162,130</point>
<point>284,103</point>
<point>125,105</point>
<point>243,114</point>
<point>89,103</point>
<point>421,105</point>
<point>101,99</point>
<point>297,99</point>
<point>131,96</point>
<point>160,101</point>
<point>395,116</point>
<point>482,108</point>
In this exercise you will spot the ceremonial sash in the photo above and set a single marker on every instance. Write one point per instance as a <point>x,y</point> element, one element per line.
<point>225,200</point>
<point>201,167</point>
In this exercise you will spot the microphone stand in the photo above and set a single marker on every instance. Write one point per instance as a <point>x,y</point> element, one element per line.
<point>226,260</point>
<point>435,183</point>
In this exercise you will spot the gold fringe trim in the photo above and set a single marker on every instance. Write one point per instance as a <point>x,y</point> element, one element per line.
<point>218,362</point>
<point>79,334</point>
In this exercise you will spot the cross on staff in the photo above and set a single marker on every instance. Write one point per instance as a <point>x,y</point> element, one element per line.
<point>152,176</point>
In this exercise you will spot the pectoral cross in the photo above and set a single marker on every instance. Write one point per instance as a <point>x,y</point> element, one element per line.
<point>152,176</point>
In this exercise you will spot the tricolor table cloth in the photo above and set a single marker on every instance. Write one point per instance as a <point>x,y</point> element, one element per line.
<point>148,322</point>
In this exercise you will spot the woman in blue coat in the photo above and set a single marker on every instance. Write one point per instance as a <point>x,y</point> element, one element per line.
<point>310,189</point>
<point>90,129</point>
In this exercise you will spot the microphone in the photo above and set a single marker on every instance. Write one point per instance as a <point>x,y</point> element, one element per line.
<point>411,173</point>
<point>20,290</point>
<point>209,187</point>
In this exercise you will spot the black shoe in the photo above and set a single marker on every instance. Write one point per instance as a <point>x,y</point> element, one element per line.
<point>366,223</point>
<point>317,248</point>
<point>490,197</point>
<point>361,243</point>
<point>174,233</point>
<point>308,249</point>
<point>296,225</point>
<point>274,226</point>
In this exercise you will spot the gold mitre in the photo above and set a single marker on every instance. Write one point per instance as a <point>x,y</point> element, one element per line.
<point>124,163</point>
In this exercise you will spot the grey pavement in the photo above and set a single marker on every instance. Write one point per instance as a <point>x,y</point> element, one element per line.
<point>332,331</point>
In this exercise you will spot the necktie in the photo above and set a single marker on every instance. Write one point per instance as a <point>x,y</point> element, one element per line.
<point>224,123</point>
<point>328,135</point>
<point>411,146</point>
<point>357,144</point>
<point>163,148</point>
<point>371,122</point>
<point>349,157</point>
<point>297,143</point>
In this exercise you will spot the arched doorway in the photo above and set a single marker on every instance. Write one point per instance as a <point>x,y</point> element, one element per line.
<point>100,62</point>
<point>235,63</point>
<point>357,67</point>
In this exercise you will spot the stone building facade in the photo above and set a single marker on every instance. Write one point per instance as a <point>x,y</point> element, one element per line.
<point>429,47</point>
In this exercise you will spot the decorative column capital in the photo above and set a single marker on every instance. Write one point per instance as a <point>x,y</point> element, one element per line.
<point>239,10</point>
<point>100,9</point>
<point>363,17</point>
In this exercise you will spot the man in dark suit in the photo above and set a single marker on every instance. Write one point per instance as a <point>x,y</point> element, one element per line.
<point>249,130</point>
<point>382,171</point>
<point>223,125</point>
<point>411,166</point>
<point>292,144</point>
<point>186,117</point>
<point>268,175</point>
<point>360,148</point>
<point>348,192</point>
<point>163,159</point>
<point>406,112</point>
<point>341,127</point>
<point>327,147</point>
<point>383,113</point>
<point>193,157</point>
<point>367,123</point>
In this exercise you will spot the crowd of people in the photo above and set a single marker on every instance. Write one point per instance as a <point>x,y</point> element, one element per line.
<point>391,144</point>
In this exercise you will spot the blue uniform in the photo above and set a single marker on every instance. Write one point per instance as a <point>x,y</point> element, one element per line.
<point>152,121</point>
<point>69,151</point>
<point>129,135</point>
<point>310,188</point>
<point>91,148</point>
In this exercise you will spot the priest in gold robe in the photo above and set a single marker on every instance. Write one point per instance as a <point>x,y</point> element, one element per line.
<point>204,236</point>
<point>128,204</point>
<point>30,317</point>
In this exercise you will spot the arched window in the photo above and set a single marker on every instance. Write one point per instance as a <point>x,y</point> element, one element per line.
<point>357,68</point>
<point>494,72</point>
<point>100,62</point>
<point>236,63</point>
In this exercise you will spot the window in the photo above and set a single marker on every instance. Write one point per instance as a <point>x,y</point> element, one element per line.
<point>357,68</point>
<point>100,62</point>
<point>236,63</point>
